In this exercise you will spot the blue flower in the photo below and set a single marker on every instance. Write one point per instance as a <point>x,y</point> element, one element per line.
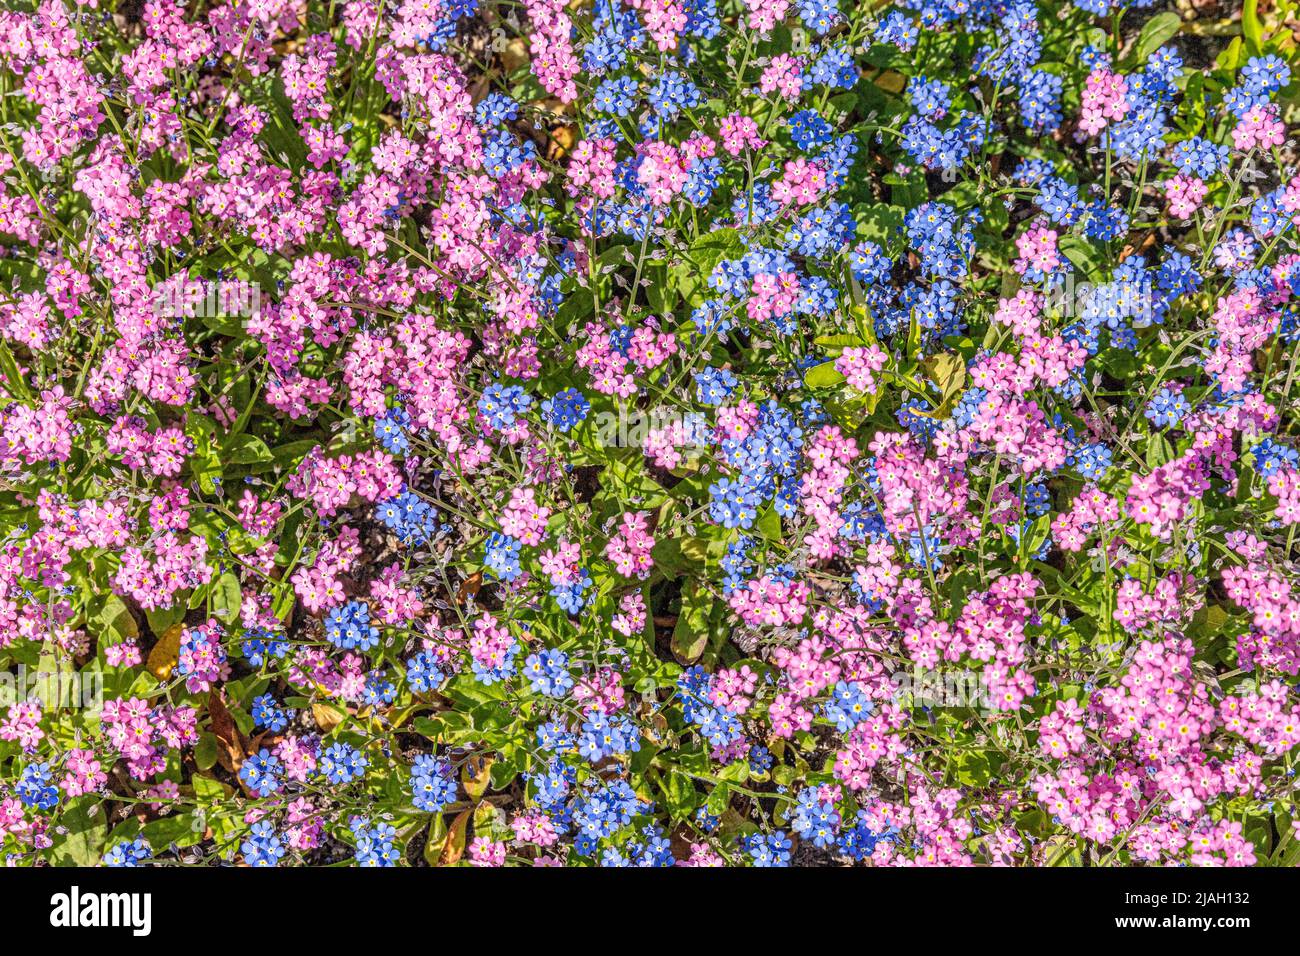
<point>35,787</point>
<point>423,673</point>
<point>409,516</point>
<point>348,627</point>
<point>566,409</point>
<point>262,847</point>
<point>132,853</point>
<point>1167,408</point>
<point>374,844</point>
<point>260,644</point>
<point>899,29</point>
<point>548,673</point>
<point>1265,74</point>
<point>502,404</point>
<point>262,773</point>
<point>733,503</point>
<point>1270,457</point>
<point>266,713</point>
<point>809,130</point>
<point>501,556</point>
<point>1093,461</point>
<point>848,705</point>
<point>433,785</point>
<point>715,385</point>
<point>616,96</point>
<point>768,850</point>
<point>342,763</point>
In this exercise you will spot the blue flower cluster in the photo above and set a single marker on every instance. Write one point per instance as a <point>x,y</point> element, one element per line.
<point>390,429</point>
<point>348,627</point>
<point>262,773</point>
<point>410,517</point>
<point>374,844</point>
<point>848,706</point>
<point>566,409</point>
<point>423,673</point>
<point>35,787</point>
<point>130,853</point>
<point>766,461</point>
<point>267,713</point>
<point>501,404</point>
<point>607,735</point>
<point>501,556</point>
<point>433,784</point>
<point>342,763</point>
<point>261,846</point>
<point>548,673</point>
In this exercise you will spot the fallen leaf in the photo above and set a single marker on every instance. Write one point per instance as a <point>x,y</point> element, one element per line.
<point>435,839</point>
<point>231,744</point>
<point>469,587</point>
<point>515,55</point>
<point>165,654</point>
<point>454,848</point>
<point>327,716</point>
<point>561,143</point>
<point>891,81</point>
<point>476,774</point>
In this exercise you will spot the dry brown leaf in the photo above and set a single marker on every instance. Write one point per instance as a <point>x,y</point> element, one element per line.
<point>515,54</point>
<point>165,654</point>
<point>454,848</point>
<point>327,717</point>
<point>891,81</point>
<point>475,776</point>
<point>231,743</point>
<point>469,587</point>
<point>1146,243</point>
<point>561,143</point>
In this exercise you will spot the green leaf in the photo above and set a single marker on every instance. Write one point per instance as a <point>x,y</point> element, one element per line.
<point>246,450</point>
<point>1251,28</point>
<point>737,771</point>
<point>947,371</point>
<point>227,597</point>
<point>1230,57</point>
<point>676,557</point>
<point>1192,113</point>
<point>435,839</point>
<point>1155,33</point>
<point>1083,255</point>
<point>1159,450</point>
<point>205,753</point>
<point>178,828</point>
<point>823,376</point>
<point>973,769</point>
<point>879,222</point>
<point>691,635</point>
<point>845,102</point>
<point>163,619</point>
<point>719,800</point>
<point>13,383</point>
<point>209,790</point>
<point>289,454</point>
<point>835,344</point>
<point>115,620</point>
<point>449,727</point>
<point>1063,851</point>
<point>769,524</point>
<point>205,464</point>
<point>690,274</point>
<point>87,832</point>
<point>679,794</point>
